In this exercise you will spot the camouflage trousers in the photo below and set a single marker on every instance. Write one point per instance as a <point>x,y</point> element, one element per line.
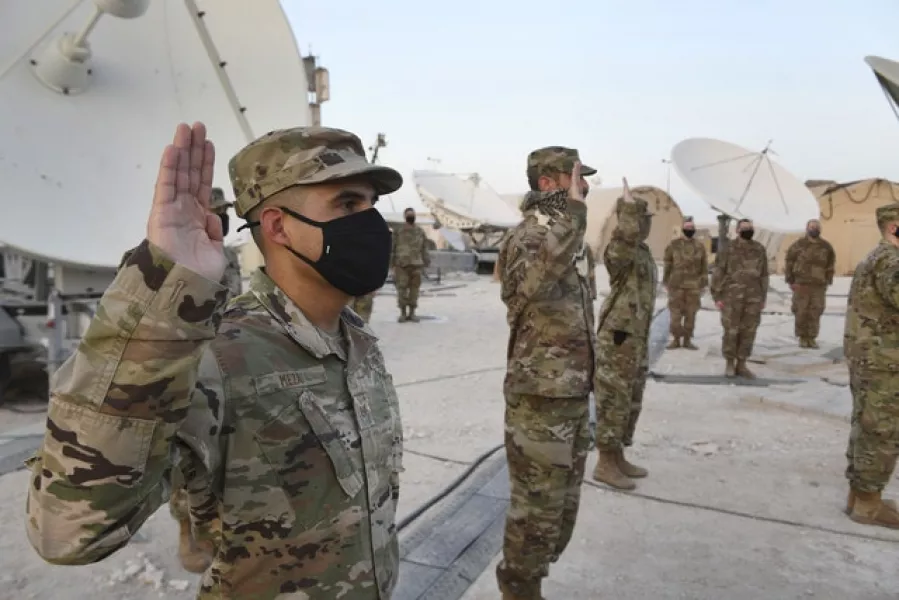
<point>874,438</point>
<point>740,319</point>
<point>618,387</point>
<point>808,306</point>
<point>408,282</point>
<point>363,305</point>
<point>683,303</point>
<point>547,441</point>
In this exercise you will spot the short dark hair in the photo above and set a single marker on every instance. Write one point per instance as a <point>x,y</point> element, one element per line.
<point>741,221</point>
<point>409,209</point>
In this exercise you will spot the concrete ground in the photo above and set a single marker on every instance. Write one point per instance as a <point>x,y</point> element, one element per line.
<point>743,501</point>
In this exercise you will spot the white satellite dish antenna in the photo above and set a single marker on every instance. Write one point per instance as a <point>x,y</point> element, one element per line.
<point>464,203</point>
<point>92,90</point>
<point>887,73</point>
<point>744,184</point>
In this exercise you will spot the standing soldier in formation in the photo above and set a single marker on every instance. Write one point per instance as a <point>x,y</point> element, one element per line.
<point>410,258</point>
<point>622,341</point>
<point>195,553</point>
<point>363,305</point>
<point>276,414</point>
<point>740,289</point>
<point>685,277</point>
<point>547,289</point>
<point>871,346</point>
<point>809,271</point>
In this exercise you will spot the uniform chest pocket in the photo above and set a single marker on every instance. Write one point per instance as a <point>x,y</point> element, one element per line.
<point>303,446</point>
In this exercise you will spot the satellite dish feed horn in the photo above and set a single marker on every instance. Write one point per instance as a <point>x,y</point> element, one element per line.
<point>730,180</point>
<point>64,65</point>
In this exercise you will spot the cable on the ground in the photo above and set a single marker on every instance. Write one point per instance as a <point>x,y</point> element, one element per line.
<point>442,459</point>
<point>744,515</point>
<point>411,517</point>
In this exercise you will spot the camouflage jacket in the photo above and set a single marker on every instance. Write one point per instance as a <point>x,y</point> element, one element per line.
<point>810,262</point>
<point>548,289</point>
<point>633,276</point>
<point>410,247</point>
<point>871,334</point>
<point>741,271</point>
<point>292,440</point>
<point>231,279</point>
<point>686,265</point>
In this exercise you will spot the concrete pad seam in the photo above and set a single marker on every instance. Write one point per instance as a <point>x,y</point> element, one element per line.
<point>744,515</point>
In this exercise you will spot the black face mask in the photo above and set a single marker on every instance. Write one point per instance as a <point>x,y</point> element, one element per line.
<point>355,251</point>
<point>689,233</point>
<point>746,234</point>
<point>224,218</point>
<point>813,233</point>
<point>410,219</point>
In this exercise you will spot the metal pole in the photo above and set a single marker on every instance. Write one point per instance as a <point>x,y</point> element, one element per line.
<point>723,223</point>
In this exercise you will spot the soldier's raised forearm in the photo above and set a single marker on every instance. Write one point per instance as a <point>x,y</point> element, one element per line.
<point>115,406</point>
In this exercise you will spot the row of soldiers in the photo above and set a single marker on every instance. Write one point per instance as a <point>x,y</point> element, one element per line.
<point>739,288</point>
<point>274,412</point>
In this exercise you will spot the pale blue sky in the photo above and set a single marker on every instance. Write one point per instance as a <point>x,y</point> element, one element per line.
<point>480,84</point>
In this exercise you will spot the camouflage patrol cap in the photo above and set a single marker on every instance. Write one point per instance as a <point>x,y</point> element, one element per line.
<point>888,213</point>
<point>217,202</point>
<point>555,159</point>
<point>302,156</point>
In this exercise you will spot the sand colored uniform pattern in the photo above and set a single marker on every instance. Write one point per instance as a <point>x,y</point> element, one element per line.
<point>410,257</point>
<point>685,275</point>
<point>548,286</point>
<point>291,439</point>
<point>871,345</point>
<point>623,329</point>
<point>740,281</point>
<point>809,265</point>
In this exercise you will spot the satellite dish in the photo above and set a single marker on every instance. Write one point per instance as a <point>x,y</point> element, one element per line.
<point>887,73</point>
<point>92,91</point>
<point>463,203</point>
<point>745,184</point>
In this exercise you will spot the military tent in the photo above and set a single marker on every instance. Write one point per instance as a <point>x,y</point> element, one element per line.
<point>601,219</point>
<point>848,220</point>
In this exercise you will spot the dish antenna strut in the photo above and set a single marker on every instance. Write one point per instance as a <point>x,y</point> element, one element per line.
<point>740,183</point>
<point>887,73</point>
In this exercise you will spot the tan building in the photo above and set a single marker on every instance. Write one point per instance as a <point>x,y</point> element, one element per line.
<point>847,219</point>
<point>601,220</point>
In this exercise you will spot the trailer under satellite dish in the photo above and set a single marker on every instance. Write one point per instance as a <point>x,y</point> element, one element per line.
<point>741,183</point>
<point>468,204</point>
<point>91,93</point>
<point>887,73</point>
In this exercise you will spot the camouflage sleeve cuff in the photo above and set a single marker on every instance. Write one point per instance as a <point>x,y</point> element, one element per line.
<point>170,293</point>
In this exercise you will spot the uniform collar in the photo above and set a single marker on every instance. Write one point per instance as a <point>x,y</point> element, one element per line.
<point>359,336</point>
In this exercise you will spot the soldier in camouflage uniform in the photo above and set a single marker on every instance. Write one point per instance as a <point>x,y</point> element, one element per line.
<point>275,413</point>
<point>740,289</point>
<point>685,277</point>
<point>809,272</point>
<point>871,346</point>
<point>622,341</point>
<point>363,305</point>
<point>410,257</point>
<point>548,288</point>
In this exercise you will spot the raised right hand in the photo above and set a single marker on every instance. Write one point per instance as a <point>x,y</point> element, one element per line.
<point>574,189</point>
<point>627,191</point>
<point>180,222</point>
